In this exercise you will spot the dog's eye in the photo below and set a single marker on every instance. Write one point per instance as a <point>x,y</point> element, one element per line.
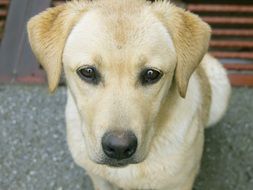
<point>150,76</point>
<point>89,74</point>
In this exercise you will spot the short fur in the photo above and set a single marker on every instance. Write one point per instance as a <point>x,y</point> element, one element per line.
<point>120,38</point>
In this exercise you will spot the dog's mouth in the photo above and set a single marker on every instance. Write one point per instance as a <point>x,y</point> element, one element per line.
<point>117,163</point>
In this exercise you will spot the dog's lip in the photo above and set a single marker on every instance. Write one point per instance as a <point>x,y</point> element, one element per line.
<point>117,164</point>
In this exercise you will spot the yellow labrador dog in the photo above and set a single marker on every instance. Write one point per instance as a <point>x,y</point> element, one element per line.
<point>141,88</point>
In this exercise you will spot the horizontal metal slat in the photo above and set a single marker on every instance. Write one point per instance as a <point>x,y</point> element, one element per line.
<point>241,79</point>
<point>231,43</point>
<point>238,66</point>
<point>4,2</point>
<point>228,20</point>
<point>233,55</point>
<point>233,32</point>
<point>220,8</point>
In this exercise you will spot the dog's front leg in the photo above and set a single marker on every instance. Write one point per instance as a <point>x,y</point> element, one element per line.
<point>102,184</point>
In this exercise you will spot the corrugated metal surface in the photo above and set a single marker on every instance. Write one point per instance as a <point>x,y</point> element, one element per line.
<point>232,39</point>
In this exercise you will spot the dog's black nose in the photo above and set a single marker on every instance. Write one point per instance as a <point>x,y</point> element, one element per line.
<point>119,145</point>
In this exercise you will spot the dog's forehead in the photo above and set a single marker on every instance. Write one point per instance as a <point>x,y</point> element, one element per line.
<point>137,33</point>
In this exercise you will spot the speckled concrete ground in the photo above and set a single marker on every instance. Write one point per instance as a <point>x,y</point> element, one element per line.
<point>34,154</point>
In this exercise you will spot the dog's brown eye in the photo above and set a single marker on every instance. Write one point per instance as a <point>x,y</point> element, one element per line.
<point>150,76</point>
<point>89,74</point>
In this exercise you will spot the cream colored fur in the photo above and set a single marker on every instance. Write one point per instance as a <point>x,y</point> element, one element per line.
<point>120,38</point>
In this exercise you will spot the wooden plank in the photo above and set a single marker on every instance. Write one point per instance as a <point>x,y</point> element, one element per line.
<point>228,20</point>
<point>241,79</point>
<point>16,58</point>
<point>232,55</point>
<point>233,32</point>
<point>220,8</point>
<point>231,43</point>
<point>238,66</point>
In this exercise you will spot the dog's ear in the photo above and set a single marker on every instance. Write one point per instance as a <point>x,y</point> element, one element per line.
<point>190,36</point>
<point>47,34</point>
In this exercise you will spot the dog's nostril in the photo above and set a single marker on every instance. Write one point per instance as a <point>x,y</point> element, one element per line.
<point>110,151</point>
<point>129,151</point>
<point>119,145</point>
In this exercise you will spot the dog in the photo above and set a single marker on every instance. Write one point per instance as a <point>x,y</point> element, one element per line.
<point>141,88</point>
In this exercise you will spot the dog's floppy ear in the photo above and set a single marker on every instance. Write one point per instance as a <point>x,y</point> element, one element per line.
<point>190,36</point>
<point>47,34</point>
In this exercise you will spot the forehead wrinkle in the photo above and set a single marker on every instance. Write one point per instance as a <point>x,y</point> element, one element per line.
<point>120,28</point>
<point>120,19</point>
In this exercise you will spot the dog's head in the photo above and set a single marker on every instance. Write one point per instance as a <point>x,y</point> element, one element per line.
<point>121,59</point>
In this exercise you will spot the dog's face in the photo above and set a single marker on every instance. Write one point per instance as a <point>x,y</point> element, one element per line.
<point>120,60</point>
<point>119,77</point>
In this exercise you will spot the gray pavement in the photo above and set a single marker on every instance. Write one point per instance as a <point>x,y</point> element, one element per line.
<point>34,154</point>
